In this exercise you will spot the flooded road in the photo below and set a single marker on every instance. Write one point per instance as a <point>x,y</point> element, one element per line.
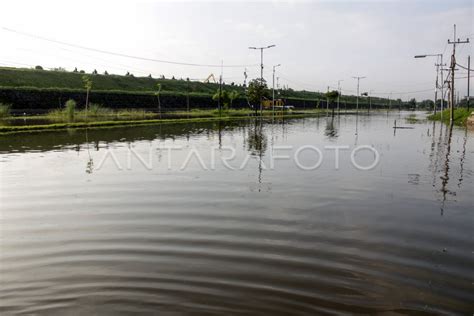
<point>243,217</point>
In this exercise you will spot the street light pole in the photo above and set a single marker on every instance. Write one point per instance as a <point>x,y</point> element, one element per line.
<point>358,81</point>
<point>273,89</point>
<point>261,67</point>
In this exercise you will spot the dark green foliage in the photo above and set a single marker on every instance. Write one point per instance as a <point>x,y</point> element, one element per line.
<point>5,110</point>
<point>38,67</point>
<point>257,90</point>
<point>61,85</point>
<point>332,95</point>
<point>69,109</point>
<point>224,97</point>
<point>15,77</point>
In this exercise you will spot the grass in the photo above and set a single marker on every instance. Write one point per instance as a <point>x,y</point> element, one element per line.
<point>412,119</point>
<point>95,113</point>
<point>5,130</point>
<point>22,78</point>
<point>211,113</point>
<point>5,110</point>
<point>460,116</point>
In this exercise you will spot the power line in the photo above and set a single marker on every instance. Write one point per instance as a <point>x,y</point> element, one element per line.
<point>464,67</point>
<point>121,54</point>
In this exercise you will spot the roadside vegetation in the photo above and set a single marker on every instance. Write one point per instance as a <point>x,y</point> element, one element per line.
<point>95,113</point>
<point>225,115</point>
<point>5,110</point>
<point>460,116</point>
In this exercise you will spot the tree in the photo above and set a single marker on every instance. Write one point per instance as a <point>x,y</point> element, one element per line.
<point>224,96</point>
<point>94,72</point>
<point>234,94</point>
<point>88,85</point>
<point>256,91</point>
<point>38,67</point>
<point>331,97</point>
<point>106,73</point>
<point>412,103</point>
<point>149,76</point>
<point>75,69</point>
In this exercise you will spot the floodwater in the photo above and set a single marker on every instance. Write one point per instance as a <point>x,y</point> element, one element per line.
<point>120,221</point>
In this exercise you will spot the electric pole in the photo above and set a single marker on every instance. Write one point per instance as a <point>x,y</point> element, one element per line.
<point>468,81</point>
<point>327,102</point>
<point>339,94</point>
<point>357,102</point>
<point>439,67</point>
<point>436,83</point>
<point>245,78</point>
<point>220,87</point>
<point>453,68</point>
<point>261,69</point>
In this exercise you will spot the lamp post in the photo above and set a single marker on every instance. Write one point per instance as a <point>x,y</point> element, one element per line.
<point>273,89</point>
<point>436,84</point>
<point>261,66</point>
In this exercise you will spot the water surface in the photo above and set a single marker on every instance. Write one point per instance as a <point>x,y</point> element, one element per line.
<point>83,234</point>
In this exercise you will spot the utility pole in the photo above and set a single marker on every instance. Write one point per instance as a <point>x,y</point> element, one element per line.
<point>339,94</point>
<point>390,101</point>
<point>261,68</point>
<point>220,88</point>
<point>327,102</point>
<point>357,102</point>
<point>441,65</point>
<point>436,83</point>
<point>453,68</point>
<point>370,100</point>
<point>436,89</point>
<point>468,81</point>
<point>187,97</point>
<point>273,89</point>
<point>245,78</point>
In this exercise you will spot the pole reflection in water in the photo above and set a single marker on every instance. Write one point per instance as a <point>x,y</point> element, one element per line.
<point>463,157</point>
<point>445,176</point>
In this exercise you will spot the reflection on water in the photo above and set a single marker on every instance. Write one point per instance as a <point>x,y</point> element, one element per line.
<point>79,239</point>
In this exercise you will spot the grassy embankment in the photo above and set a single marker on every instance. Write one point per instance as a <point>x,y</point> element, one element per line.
<point>460,116</point>
<point>46,79</point>
<point>212,115</point>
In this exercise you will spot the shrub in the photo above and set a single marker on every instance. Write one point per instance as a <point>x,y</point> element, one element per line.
<point>98,110</point>
<point>69,109</point>
<point>5,110</point>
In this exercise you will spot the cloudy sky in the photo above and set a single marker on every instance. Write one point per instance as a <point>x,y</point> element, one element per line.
<point>317,42</point>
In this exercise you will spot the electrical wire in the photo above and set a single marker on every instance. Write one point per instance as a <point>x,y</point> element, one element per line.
<point>463,67</point>
<point>124,55</point>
